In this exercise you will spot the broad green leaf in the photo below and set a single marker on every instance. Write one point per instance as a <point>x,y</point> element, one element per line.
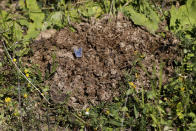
<point>91,9</point>
<point>124,109</point>
<point>22,52</point>
<point>5,24</point>
<point>191,7</point>
<point>129,91</point>
<point>22,4</point>
<point>32,31</point>
<point>183,18</point>
<point>191,114</point>
<point>35,12</point>
<point>179,110</point>
<point>32,5</point>
<point>71,15</point>
<point>23,22</point>
<point>37,17</point>
<point>4,16</point>
<point>17,31</point>
<point>56,18</point>
<point>150,21</point>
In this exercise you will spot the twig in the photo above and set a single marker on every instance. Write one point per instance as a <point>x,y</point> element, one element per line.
<point>23,73</point>
<point>1,32</point>
<point>124,111</point>
<point>81,2</point>
<point>48,119</point>
<point>127,3</point>
<point>19,100</point>
<point>80,119</point>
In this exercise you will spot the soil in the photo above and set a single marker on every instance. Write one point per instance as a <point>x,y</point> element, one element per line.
<point>110,46</point>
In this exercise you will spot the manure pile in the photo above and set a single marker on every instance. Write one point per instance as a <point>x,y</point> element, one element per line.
<point>109,48</point>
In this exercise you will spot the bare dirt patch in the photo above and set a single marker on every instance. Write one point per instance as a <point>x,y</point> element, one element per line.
<point>109,48</point>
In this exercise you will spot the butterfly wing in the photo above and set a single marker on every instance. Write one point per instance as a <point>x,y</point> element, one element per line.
<point>78,52</point>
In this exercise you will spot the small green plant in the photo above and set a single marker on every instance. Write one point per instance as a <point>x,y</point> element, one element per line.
<point>142,14</point>
<point>183,18</point>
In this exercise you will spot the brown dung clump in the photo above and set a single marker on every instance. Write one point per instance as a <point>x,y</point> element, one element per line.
<point>109,48</point>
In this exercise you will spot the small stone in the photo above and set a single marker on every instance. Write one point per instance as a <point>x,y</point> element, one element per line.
<point>168,110</point>
<point>167,128</point>
<point>47,34</point>
<point>113,71</point>
<point>73,99</point>
<point>1,51</point>
<point>122,44</point>
<point>128,47</point>
<point>62,54</point>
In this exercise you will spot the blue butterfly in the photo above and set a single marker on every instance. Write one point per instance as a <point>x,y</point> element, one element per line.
<point>78,52</point>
